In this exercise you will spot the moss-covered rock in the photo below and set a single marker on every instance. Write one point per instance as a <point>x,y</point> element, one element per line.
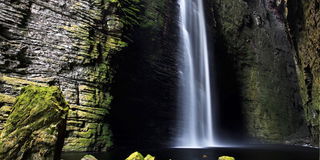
<point>35,128</point>
<point>89,157</point>
<point>139,156</point>
<point>149,157</point>
<point>135,156</point>
<point>71,46</point>
<point>226,158</point>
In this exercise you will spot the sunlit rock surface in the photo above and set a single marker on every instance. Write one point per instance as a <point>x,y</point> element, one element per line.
<point>139,156</point>
<point>135,156</point>
<point>35,129</point>
<point>67,44</point>
<point>226,158</point>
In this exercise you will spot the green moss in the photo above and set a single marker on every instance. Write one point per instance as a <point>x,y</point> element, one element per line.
<point>86,134</point>
<point>19,82</point>
<point>77,144</point>
<point>40,98</point>
<point>226,158</point>
<point>6,109</point>
<point>37,118</point>
<point>96,41</point>
<point>7,99</point>
<point>149,157</point>
<point>135,156</point>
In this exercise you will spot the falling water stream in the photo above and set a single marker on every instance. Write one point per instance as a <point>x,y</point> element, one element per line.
<point>196,127</point>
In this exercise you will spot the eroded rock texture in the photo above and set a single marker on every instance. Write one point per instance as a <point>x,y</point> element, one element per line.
<point>66,43</point>
<point>35,129</point>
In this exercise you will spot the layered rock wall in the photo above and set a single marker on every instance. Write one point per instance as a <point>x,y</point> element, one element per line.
<point>66,43</point>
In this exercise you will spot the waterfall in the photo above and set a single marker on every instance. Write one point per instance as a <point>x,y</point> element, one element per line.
<point>196,119</point>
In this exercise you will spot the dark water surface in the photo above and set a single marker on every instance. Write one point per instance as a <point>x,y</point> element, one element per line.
<point>266,152</point>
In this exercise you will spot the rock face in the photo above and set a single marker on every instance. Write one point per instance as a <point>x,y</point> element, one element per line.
<point>277,78</point>
<point>146,80</point>
<point>36,126</point>
<point>67,44</point>
<point>268,60</point>
<point>304,17</point>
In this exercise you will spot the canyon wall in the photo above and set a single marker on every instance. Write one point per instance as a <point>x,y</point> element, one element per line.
<point>304,18</point>
<point>67,44</point>
<point>276,73</point>
<point>122,53</point>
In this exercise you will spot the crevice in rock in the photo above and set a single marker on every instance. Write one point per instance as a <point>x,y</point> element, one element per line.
<point>21,56</point>
<point>308,82</point>
<point>26,15</point>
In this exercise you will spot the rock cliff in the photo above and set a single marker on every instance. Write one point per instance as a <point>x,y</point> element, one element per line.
<point>266,53</point>
<point>276,75</point>
<point>67,44</point>
<point>303,18</point>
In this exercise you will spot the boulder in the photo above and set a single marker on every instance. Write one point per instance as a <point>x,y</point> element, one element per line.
<point>35,127</point>
<point>89,157</point>
<point>226,158</point>
<point>135,156</point>
<point>149,157</point>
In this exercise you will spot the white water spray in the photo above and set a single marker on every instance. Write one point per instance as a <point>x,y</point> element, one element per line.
<point>196,120</point>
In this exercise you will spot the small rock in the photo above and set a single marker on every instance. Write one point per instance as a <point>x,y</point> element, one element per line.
<point>89,157</point>
<point>149,157</point>
<point>135,156</point>
<point>226,158</point>
<point>258,19</point>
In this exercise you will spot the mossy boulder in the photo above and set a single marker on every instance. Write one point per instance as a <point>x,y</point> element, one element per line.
<point>149,157</point>
<point>135,156</point>
<point>139,156</point>
<point>35,128</point>
<point>89,157</point>
<point>226,158</point>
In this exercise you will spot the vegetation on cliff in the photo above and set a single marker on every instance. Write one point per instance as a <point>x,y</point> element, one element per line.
<point>303,18</point>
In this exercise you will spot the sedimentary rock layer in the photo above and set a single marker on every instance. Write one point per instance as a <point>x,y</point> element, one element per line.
<point>67,44</point>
